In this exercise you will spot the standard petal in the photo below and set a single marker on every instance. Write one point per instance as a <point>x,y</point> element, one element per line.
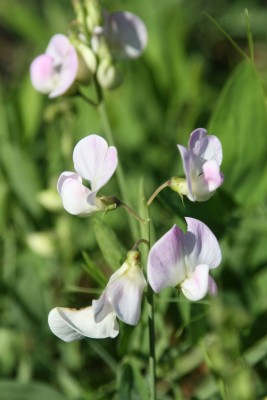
<point>201,246</point>
<point>126,34</point>
<point>95,161</point>
<point>186,160</point>
<point>42,73</point>
<point>204,147</point>
<point>76,198</point>
<point>166,267</point>
<point>196,287</point>
<point>71,324</point>
<point>65,61</point>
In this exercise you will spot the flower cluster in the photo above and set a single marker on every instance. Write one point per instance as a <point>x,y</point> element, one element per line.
<point>92,50</point>
<point>178,259</point>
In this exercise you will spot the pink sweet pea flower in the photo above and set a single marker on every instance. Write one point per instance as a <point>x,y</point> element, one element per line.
<point>201,164</point>
<point>125,34</point>
<point>55,71</point>
<point>185,259</point>
<point>123,293</point>
<point>95,162</point>
<point>121,298</point>
<point>70,324</point>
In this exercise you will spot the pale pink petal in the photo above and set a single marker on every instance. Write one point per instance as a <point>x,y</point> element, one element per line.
<point>126,34</point>
<point>58,47</point>
<point>55,71</point>
<point>196,287</point>
<point>201,246</point>
<point>71,324</point>
<point>204,185</point>
<point>95,161</point>
<point>212,175</point>
<point>76,198</point>
<point>200,189</point>
<point>42,73</point>
<point>166,266</point>
<point>186,160</point>
<point>65,62</point>
<point>212,286</point>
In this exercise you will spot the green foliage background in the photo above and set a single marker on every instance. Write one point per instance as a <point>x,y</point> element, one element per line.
<point>189,76</point>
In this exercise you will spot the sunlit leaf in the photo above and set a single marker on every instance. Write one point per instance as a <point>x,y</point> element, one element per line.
<point>240,121</point>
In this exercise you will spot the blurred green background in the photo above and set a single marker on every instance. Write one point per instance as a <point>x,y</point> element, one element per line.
<point>190,76</point>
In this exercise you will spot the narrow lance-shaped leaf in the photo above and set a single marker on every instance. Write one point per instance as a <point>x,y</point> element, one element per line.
<point>240,121</point>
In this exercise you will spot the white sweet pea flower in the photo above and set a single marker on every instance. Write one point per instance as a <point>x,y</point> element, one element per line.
<point>124,33</point>
<point>94,161</point>
<point>70,324</point>
<point>123,293</point>
<point>55,71</point>
<point>185,259</point>
<point>201,162</point>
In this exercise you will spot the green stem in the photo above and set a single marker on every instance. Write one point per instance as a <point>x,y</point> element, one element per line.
<point>157,191</point>
<point>120,176</point>
<point>87,100</point>
<point>151,320</point>
<point>136,216</point>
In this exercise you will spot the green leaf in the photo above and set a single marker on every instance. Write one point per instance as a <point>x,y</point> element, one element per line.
<point>111,248</point>
<point>131,385</point>
<point>31,105</point>
<point>94,271</point>
<point>240,122</point>
<point>22,175</point>
<point>28,391</point>
<point>23,20</point>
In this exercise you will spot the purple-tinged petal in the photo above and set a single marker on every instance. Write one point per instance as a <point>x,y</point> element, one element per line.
<point>201,246</point>
<point>212,286</point>
<point>203,148</point>
<point>123,294</point>
<point>166,266</point>
<point>95,161</point>
<point>102,307</point>
<point>196,287</point>
<point>70,324</point>
<point>76,198</point>
<point>42,73</point>
<point>126,34</point>
<point>186,160</point>
<point>212,175</point>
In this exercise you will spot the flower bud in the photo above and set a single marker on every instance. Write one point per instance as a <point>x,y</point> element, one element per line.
<point>108,75</point>
<point>87,63</point>
<point>94,16</point>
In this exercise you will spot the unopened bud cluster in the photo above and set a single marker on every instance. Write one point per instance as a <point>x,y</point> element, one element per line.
<point>97,40</point>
